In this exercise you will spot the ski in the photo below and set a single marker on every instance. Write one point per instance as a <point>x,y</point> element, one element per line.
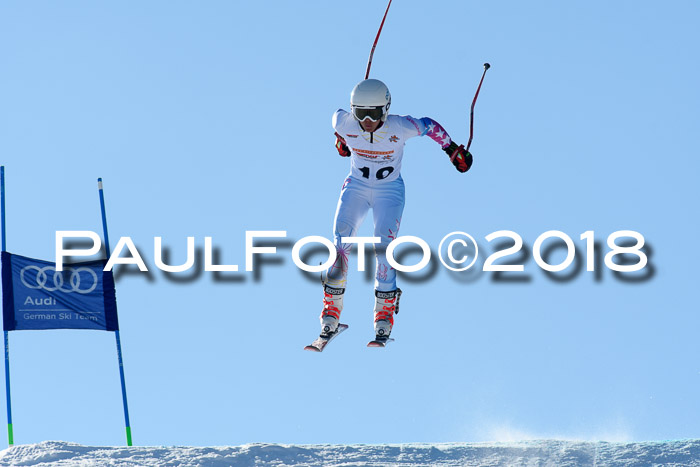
<point>380,342</point>
<point>321,342</point>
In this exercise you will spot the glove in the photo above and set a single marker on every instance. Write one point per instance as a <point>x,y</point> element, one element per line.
<point>459,156</point>
<point>340,145</point>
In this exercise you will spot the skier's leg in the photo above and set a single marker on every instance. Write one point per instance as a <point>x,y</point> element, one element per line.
<point>353,205</point>
<point>387,208</point>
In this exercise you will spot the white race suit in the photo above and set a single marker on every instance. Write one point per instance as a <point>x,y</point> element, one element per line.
<point>375,182</point>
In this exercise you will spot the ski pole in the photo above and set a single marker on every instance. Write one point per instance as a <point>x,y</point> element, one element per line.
<point>374,46</point>
<point>471,117</point>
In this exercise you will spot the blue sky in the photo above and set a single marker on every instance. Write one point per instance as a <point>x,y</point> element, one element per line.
<point>213,118</point>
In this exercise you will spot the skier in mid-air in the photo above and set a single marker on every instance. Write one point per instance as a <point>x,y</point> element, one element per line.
<point>374,141</point>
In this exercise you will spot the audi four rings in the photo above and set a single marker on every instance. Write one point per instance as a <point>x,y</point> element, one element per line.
<point>46,281</point>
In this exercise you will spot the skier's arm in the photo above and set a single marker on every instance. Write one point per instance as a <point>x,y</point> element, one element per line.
<point>339,118</point>
<point>341,145</point>
<point>460,158</point>
<point>435,131</point>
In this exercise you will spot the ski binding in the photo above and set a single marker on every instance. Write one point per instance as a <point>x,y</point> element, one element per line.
<point>322,341</point>
<point>380,342</point>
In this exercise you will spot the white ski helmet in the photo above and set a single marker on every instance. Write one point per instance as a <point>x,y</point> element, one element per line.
<point>370,99</point>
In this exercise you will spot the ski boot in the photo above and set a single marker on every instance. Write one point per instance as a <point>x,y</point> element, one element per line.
<point>386,305</point>
<point>332,306</point>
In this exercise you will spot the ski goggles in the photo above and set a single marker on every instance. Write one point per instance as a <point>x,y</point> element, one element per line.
<point>373,113</point>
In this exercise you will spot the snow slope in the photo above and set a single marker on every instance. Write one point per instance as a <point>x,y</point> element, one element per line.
<point>524,453</point>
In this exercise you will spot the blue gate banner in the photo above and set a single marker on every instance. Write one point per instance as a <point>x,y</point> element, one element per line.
<point>36,296</point>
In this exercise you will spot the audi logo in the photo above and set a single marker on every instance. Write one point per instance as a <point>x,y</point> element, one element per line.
<point>34,277</point>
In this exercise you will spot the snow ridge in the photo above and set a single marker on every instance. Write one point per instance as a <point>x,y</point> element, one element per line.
<point>523,453</point>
